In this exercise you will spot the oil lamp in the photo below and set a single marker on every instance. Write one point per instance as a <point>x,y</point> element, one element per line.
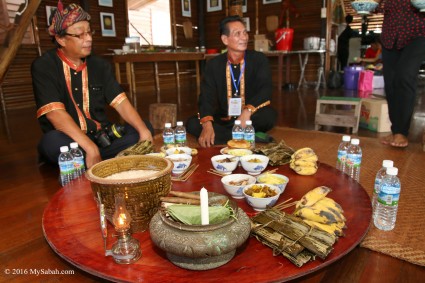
<point>127,249</point>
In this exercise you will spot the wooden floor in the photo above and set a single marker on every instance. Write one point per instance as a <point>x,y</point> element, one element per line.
<point>26,188</point>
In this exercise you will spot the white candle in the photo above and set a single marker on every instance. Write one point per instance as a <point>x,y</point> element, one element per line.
<point>205,217</point>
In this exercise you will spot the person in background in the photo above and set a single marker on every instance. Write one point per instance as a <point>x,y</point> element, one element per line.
<point>403,42</point>
<point>373,56</point>
<point>236,85</point>
<point>344,42</point>
<point>72,89</point>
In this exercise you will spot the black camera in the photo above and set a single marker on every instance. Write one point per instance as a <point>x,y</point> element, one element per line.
<point>105,137</point>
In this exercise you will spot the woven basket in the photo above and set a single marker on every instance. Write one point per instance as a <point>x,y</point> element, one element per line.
<point>142,194</point>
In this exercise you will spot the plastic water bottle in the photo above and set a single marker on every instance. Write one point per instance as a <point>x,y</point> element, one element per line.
<point>66,165</point>
<point>78,157</point>
<point>249,133</point>
<point>168,134</point>
<point>387,204</point>
<point>354,160</point>
<point>342,153</point>
<point>237,131</point>
<point>379,176</point>
<point>180,134</point>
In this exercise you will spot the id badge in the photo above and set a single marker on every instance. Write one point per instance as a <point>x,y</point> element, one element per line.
<point>235,106</point>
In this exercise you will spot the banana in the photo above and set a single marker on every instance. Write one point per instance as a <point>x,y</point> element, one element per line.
<point>302,153</point>
<point>334,228</point>
<point>328,211</point>
<point>304,163</point>
<point>331,204</point>
<point>303,170</point>
<point>314,196</point>
<point>321,216</point>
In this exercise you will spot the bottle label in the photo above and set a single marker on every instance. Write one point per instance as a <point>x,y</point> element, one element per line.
<point>168,139</point>
<point>181,138</point>
<point>66,167</point>
<point>389,195</point>
<point>353,160</point>
<point>237,135</point>
<point>342,156</point>
<point>249,137</point>
<point>78,163</point>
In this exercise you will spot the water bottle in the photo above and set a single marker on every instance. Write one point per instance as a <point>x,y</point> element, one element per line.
<point>180,134</point>
<point>354,160</point>
<point>168,134</point>
<point>78,157</point>
<point>249,133</point>
<point>237,131</point>
<point>387,204</point>
<point>66,165</point>
<point>342,153</point>
<point>381,173</point>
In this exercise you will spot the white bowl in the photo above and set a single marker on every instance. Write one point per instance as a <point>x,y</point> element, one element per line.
<point>420,4</point>
<point>254,168</point>
<point>364,7</point>
<point>181,162</point>
<point>261,204</point>
<point>277,180</point>
<point>224,167</point>
<point>179,150</point>
<point>235,190</point>
<point>118,51</point>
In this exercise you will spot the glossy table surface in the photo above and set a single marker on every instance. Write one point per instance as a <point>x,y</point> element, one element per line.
<point>71,227</point>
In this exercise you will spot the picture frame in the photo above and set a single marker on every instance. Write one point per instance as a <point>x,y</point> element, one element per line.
<point>214,5</point>
<point>107,22</point>
<point>246,20</point>
<point>244,6</point>
<point>106,3</point>
<point>186,8</point>
<point>50,10</point>
<point>271,1</point>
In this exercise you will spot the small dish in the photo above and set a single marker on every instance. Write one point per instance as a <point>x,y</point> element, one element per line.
<point>235,183</point>
<point>224,163</point>
<point>181,162</point>
<point>179,150</point>
<point>261,203</point>
<point>254,164</point>
<point>277,180</point>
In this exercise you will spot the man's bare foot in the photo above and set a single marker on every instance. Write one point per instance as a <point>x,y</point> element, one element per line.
<point>400,140</point>
<point>388,139</point>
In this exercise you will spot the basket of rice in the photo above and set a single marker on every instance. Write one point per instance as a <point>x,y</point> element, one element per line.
<point>142,179</point>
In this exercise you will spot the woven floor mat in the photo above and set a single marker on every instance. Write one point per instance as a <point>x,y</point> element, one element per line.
<point>407,240</point>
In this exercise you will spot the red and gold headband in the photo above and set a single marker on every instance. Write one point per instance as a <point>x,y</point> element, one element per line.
<point>66,17</point>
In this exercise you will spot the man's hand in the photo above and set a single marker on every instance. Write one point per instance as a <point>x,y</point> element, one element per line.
<point>92,156</point>
<point>206,139</point>
<point>245,116</point>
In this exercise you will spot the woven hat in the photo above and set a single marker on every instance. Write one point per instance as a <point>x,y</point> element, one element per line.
<point>66,17</point>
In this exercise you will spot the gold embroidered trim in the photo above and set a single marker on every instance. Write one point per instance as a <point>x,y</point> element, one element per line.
<point>117,100</point>
<point>229,85</point>
<point>50,107</point>
<point>206,119</point>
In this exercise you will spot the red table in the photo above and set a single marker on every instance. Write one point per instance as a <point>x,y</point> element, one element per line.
<point>71,227</point>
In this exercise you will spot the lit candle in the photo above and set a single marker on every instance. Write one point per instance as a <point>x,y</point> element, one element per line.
<point>205,217</point>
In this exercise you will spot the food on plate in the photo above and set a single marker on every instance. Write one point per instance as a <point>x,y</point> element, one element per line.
<point>304,161</point>
<point>254,160</point>
<point>243,182</point>
<point>225,160</point>
<point>271,179</point>
<point>238,144</point>
<point>260,191</point>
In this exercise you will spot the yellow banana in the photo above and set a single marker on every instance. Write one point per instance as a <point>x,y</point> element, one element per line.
<point>316,215</point>
<point>304,170</point>
<point>314,196</point>
<point>334,228</point>
<point>331,204</point>
<point>328,211</point>
<point>305,163</point>
<point>303,153</point>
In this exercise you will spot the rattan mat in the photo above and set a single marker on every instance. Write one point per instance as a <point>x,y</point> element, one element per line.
<point>407,240</point>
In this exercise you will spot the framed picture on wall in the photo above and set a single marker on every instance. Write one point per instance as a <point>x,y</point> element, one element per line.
<point>106,3</point>
<point>244,6</point>
<point>186,10</point>
<point>271,1</point>
<point>213,5</point>
<point>50,10</point>
<point>107,23</point>
<point>246,20</point>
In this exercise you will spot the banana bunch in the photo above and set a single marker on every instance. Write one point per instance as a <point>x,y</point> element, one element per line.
<point>304,161</point>
<point>317,210</point>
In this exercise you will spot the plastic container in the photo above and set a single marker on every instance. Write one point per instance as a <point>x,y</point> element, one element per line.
<point>237,131</point>
<point>66,166</point>
<point>249,133</point>
<point>180,134</point>
<point>168,134</point>
<point>387,204</point>
<point>351,76</point>
<point>284,38</point>
<point>354,160</point>
<point>78,157</point>
<point>342,153</point>
<point>378,179</point>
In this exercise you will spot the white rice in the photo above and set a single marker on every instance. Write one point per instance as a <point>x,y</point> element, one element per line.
<point>131,174</point>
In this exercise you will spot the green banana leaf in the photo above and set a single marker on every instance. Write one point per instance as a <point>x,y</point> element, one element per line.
<point>191,214</point>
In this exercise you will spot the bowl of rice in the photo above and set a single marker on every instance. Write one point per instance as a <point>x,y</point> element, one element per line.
<point>142,179</point>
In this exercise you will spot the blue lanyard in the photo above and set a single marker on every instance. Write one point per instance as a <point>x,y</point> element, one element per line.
<point>233,76</point>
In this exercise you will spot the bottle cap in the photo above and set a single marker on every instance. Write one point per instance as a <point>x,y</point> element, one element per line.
<point>355,141</point>
<point>392,171</point>
<point>346,138</point>
<point>237,122</point>
<point>73,145</point>
<point>387,163</point>
<point>249,122</point>
<point>168,125</point>
<point>64,148</point>
<point>179,123</point>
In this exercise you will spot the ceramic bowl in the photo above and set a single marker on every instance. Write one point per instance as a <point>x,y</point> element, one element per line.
<point>420,4</point>
<point>364,7</point>
<point>234,184</point>
<point>179,150</point>
<point>118,51</point>
<point>254,164</point>
<point>224,163</point>
<point>181,162</point>
<point>277,180</point>
<point>260,204</point>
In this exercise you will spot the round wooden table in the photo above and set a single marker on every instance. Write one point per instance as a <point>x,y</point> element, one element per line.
<point>71,227</point>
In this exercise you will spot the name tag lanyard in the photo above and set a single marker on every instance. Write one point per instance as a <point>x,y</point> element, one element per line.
<point>237,100</point>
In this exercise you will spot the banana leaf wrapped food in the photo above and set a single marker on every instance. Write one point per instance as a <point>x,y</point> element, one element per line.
<point>278,153</point>
<point>140,148</point>
<point>191,214</point>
